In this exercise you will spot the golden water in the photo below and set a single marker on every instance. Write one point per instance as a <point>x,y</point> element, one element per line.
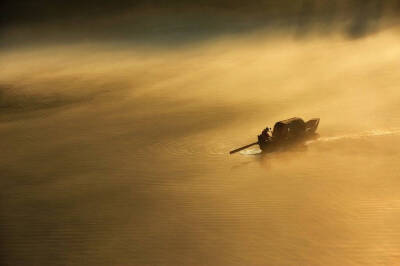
<point>118,155</point>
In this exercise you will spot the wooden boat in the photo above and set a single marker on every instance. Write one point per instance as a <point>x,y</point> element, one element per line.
<point>285,132</point>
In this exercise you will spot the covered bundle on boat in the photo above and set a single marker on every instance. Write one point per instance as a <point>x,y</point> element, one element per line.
<point>289,128</point>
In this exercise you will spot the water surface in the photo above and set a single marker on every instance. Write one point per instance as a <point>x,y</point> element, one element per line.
<point>118,155</point>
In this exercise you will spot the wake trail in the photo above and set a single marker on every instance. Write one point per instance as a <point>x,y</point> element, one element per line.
<point>365,134</point>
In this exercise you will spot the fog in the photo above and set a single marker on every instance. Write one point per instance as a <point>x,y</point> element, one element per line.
<point>116,152</point>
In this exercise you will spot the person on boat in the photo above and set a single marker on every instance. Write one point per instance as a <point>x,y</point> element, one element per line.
<point>265,136</point>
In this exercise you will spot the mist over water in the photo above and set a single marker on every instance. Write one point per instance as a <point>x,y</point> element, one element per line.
<point>116,153</point>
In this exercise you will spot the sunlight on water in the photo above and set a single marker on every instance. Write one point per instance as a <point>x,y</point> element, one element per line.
<point>370,133</point>
<point>110,151</point>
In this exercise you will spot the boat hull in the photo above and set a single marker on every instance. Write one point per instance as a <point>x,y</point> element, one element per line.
<point>276,145</point>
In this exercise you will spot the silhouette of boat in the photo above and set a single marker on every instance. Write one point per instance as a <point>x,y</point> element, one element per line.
<point>285,133</point>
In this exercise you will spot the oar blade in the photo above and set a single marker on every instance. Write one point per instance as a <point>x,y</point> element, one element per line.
<point>242,148</point>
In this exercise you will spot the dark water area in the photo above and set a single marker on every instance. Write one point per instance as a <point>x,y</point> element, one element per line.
<point>178,23</point>
<point>117,152</point>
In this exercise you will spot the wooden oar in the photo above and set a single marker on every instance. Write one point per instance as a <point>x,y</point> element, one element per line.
<point>244,147</point>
